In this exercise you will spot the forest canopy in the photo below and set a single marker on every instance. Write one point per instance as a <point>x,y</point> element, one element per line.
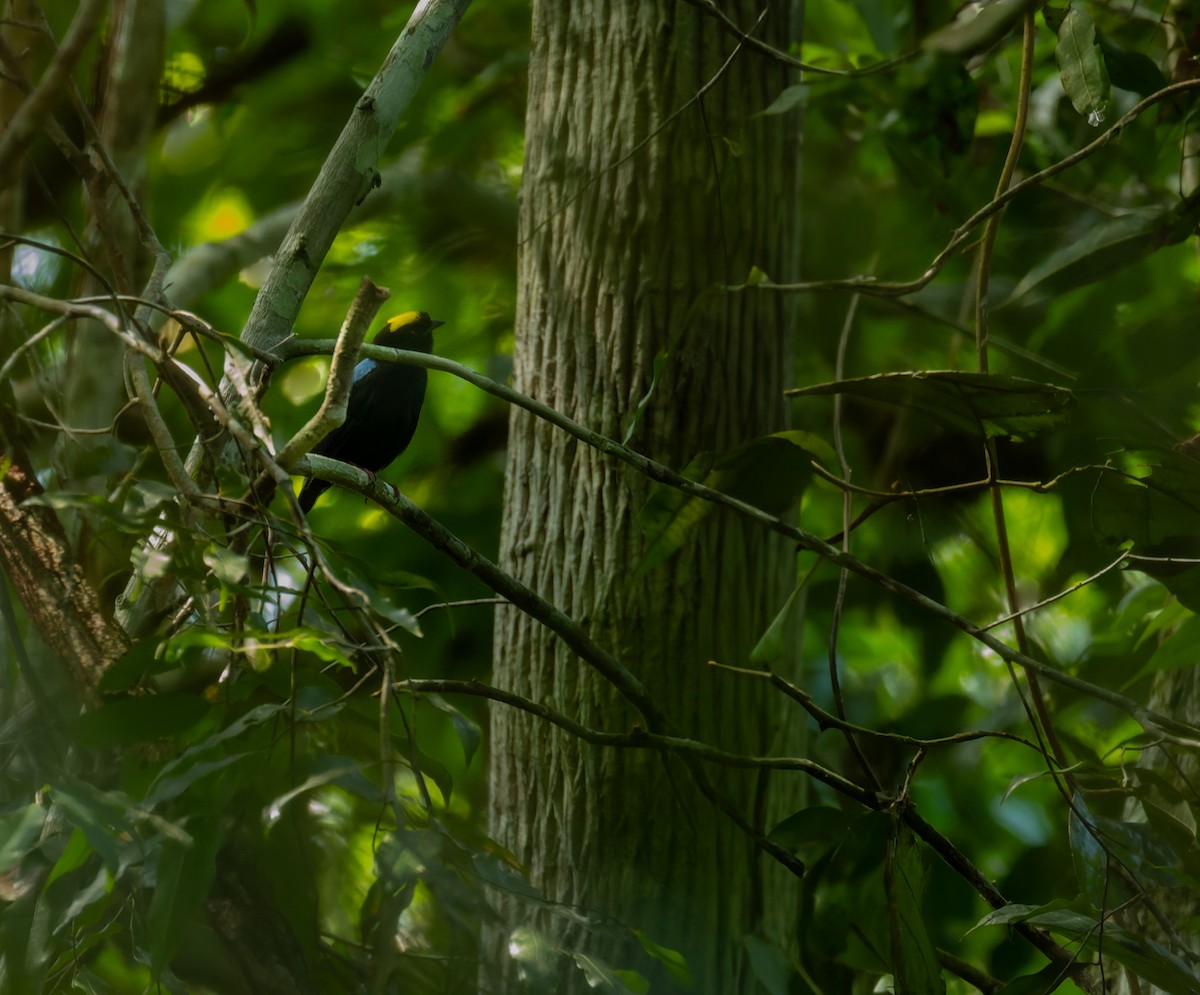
<point>791,582</point>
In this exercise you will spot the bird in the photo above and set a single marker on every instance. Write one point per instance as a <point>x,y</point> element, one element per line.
<point>384,405</point>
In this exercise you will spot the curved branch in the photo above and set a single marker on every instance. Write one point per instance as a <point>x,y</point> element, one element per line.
<point>358,480</point>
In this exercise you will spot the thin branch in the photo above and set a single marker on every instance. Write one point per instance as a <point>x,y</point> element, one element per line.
<point>885,288</point>
<point>358,480</point>
<point>641,739</point>
<point>332,412</point>
<point>729,24</point>
<point>1125,557</point>
<point>827,720</point>
<point>28,121</point>
<point>839,601</point>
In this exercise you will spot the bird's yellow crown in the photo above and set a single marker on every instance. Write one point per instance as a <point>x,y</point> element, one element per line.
<point>399,321</point>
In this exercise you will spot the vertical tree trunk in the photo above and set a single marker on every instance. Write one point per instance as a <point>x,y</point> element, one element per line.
<point>629,221</point>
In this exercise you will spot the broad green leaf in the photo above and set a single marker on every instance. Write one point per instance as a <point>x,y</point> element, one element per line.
<point>166,788</point>
<point>1058,914</point>
<point>915,965</point>
<point>103,816</point>
<point>183,874</point>
<point>812,832</point>
<point>1145,958</point>
<point>979,28</point>
<point>1047,980</point>
<point>75,854</point>
<point>18,830</point>
<point>971,403</point>
<point>1081,66</point>
<point>227,566</point>
<point>328,770</point>
<point>1180,650</point>
<point>672,960</point>
<point>468,731</point>
<point>1101,249</point>
<point>771,967</point>
<point>1154,510</point>
<point>791,98</point>
<point>1130,70</point>
<point>602,978</point>
<point>773,645</point>
<point>1159,514</point>
<point>1092,868</point>
<point>172,771</point>
<point>140,719</point>
<point>139,660</point>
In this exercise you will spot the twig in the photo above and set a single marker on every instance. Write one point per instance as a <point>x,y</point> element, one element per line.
<point>884,288</point>
<point>358,480</point>
<point>729,24</point>
<point>332,412</point>
<point>35,108</point>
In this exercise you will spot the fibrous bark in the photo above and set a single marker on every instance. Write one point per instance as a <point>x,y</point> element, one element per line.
<point>631,221</point>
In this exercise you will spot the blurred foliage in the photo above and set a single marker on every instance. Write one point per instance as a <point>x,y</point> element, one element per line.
<point>264,743</point>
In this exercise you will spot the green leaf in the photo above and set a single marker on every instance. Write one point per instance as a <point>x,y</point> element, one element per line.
<point>773,645</point>
<point>792,98</point>
<point>1081,66</point>
<point>175,776</point>
<point>18,830</point>
<point>915,965</point>
<point>1145,958</point>
<point>1130,70</point>
<point>227,566</point>
<point>328,769</point>
<point>183,875</point>
<point>966,402</point>
<point>1159,514</point>
<point>771,967</point>
<point>140,719</point>
<point>166,788</point>
<point>1101,249</point>
<point>978,29</point>
<point>672,960</point>
<point>106,818</point>
<point>1179,651</point>
<point>602,978</point>
<point>468,731</point>
<point>1091,862</point>
<point>1047,980</point>
<point>812,832</point>
<point>656,370</point>
<point>139,660</point>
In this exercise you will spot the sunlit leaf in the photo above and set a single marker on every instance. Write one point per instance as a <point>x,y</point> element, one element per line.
<point>672,960</point>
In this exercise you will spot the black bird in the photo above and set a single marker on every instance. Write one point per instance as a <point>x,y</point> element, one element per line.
<point>385,403</point>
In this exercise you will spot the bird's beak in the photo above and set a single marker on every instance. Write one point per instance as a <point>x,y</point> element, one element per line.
<point>434,323</point>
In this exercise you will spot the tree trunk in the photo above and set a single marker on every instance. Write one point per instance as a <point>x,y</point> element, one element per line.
<point>630,220</point>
